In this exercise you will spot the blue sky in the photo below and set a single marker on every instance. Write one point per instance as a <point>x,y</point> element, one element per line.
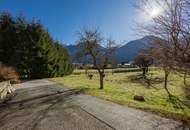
<point>63,18</point>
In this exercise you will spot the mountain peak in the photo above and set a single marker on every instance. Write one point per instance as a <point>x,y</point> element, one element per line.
<point>131,49</point>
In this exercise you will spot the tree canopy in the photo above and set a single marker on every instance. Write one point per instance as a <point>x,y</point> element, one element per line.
<point>28,47</point>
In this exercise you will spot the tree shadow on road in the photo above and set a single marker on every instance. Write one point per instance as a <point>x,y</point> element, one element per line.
<point>42,104</point>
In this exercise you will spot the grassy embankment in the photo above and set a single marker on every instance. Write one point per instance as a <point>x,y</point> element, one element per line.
<point>121,87</point>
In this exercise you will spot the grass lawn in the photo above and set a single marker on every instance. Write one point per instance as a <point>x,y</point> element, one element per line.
<point>121,87</point>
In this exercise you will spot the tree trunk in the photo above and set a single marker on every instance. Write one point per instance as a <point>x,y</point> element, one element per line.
<point>166,82</point>
<point>101,80</point>
<point>147,69</point>
<point>144,71</point>
<point>86,71</point>
<point>184,78</point>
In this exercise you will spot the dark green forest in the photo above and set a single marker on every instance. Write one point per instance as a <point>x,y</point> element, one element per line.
<point>28,47</point>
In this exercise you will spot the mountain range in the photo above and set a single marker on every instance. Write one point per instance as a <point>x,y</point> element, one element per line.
<point>127,52</point>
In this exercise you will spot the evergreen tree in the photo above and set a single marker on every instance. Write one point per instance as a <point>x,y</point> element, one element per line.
<point>29,48</point>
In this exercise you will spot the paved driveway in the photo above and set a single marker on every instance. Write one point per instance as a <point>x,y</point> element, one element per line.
<point>43,105</point>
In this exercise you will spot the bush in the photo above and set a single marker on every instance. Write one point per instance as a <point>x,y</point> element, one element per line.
<point>8,73</point>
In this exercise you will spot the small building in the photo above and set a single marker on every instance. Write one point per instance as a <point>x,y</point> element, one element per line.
<point>126,65</point>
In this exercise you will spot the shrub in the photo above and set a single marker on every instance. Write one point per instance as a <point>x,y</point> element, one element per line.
<point>8,73</point>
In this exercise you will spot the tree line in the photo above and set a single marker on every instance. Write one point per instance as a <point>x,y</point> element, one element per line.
<point>30,49</point>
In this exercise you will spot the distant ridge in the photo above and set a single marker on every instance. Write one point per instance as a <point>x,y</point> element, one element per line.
<point>131,49</point>
<point>125,53</point>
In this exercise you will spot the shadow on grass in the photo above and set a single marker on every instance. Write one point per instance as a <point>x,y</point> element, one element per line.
<point>180,104</point>
<point>176,102</point>
<point>186,90</point>
<point>149,81</point>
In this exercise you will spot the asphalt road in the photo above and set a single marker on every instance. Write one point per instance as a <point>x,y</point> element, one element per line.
<point>43,105</point>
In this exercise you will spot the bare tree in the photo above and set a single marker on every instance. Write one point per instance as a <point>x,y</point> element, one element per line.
<point>91,44</point>
<point>161,53</point>
<point>173,26</point>
<point>143,60</point>
<point>169,24</point>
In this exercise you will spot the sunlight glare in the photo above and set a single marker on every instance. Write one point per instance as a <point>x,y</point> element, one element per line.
<point>154,13</point>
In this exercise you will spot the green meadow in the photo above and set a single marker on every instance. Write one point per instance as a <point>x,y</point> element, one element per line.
<point>122,87</point>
